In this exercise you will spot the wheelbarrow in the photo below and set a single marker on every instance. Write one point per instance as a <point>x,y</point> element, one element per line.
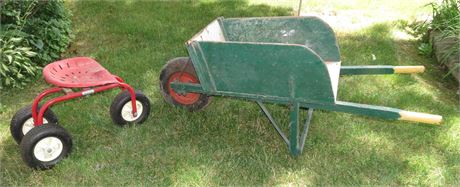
<point>43,142</point>
<point>293,61</point>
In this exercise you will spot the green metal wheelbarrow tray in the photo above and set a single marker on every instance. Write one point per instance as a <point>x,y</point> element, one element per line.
<point>292,61</point>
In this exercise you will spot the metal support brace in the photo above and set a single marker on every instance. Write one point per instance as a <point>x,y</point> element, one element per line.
<point>305,129</point>
<point>295,142</point>
<point>272,121</point>
<point>294,129</point>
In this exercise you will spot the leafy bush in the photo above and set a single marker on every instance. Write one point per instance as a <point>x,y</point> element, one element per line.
<point>446,20</point>
<point>446,17</point>
<point>41,26</point>
<point>16,68</point>
<point>425,49</point>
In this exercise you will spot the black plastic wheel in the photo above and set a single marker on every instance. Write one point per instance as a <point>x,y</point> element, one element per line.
<point>121,108</point>
<point>22,122</point>
<point>46,145</point>
<point>181,69</point>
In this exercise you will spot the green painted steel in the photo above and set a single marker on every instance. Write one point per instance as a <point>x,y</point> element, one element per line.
<point>184,88</point>
<point>294,129</point>
<point>273,122</point>
<point>356,108</point>
<point>311,32</point>
<point>201,69</point>
<point>280,70</point>
<point>305,129</point>
<point>296,140</point>
<point>285,60</point>
<point>266,56</point>
<point>366,70</point>
<point>339,106</point>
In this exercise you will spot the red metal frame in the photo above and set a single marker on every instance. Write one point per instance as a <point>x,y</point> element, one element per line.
<point>38,115</point>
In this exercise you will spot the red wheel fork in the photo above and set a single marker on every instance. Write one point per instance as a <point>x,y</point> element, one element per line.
<point>133,97</point>
<point>38,115</point>
<point>37,100</point>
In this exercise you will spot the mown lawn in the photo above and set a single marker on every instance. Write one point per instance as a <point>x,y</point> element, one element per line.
<point>231,142</point>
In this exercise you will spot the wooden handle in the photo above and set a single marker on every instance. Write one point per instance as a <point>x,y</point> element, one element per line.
<point>409,69</point>
<point>420,117</point>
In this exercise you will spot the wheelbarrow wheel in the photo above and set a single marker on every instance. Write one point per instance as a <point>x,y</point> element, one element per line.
<point>121,108</point>
<point>181,69</point>
<point>45,146</point>
<point>22,122</point>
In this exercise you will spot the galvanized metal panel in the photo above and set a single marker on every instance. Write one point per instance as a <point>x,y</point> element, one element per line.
<point>212,32</point>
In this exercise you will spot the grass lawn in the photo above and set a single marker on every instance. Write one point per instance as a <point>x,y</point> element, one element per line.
<point>231,142</point>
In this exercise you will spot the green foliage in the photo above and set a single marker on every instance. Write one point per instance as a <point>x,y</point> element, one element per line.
<point>44,26</point>
<point>425,49</point>
<point>16,67</point>
<point>51,31</point>
<point>446,20</point>
<point>446,17</point>
<point>457,66</point>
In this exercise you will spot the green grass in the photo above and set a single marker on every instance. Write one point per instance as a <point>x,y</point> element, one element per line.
<point>357,9</point>
<point>231,142</point>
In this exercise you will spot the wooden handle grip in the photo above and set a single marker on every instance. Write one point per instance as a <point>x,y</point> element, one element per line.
<point>409,69</point>
<point>420,117</point>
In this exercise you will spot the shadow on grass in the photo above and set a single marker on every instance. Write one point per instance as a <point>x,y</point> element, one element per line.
<point>231,142</point>
<point>409,145</point>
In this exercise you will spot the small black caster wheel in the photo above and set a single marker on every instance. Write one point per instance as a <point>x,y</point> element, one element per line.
<point>121,108</point>
<point>22,122</point>
<point>45,146</point>
<point>181,69</point>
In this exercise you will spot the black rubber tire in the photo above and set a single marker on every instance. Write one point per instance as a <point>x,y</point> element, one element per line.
<point>123,98</point>
<point>22,115</point>
<point>177,65</point>
<point>30,140</point>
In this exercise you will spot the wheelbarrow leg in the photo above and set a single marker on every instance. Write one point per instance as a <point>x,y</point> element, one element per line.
<point>273,122</point>
<point>295,142</point>
<point>294,130</point>
<point>305,129</point>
